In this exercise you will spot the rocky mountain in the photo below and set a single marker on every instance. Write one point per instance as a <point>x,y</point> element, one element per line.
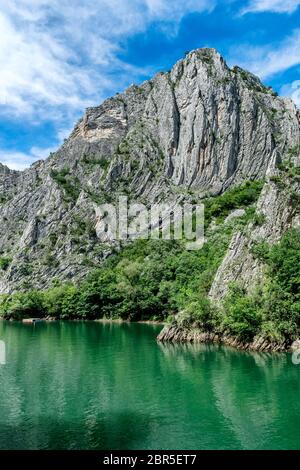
<point>189,133</point>
<point>278,207</point>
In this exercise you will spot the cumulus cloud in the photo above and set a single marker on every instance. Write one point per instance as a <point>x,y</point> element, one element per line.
<point>58,57</point>
<point>268,60</point>
<point>60,54</point>
<point>274,6</point>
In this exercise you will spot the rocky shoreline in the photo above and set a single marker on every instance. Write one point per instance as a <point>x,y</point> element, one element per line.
<point>177,334</point>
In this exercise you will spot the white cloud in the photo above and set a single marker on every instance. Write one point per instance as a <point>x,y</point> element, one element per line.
<point>275,6</point>
<point>61,53</point>
<point>21,160</point>
<point>292,90</point>
<point>58,57</point>
<point>15,160</point>
<point>271,59</point>
<point>37,71</point>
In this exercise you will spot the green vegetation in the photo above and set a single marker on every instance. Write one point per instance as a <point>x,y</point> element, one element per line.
<point>288,178</point>
<point>25,269</point>
<point>69,184</point>
<point>146,279</point>
<point>242,313</point>
<point>156,279</point>
<point>271,311</point>
<point>282,296</point>
<point>253,83</point>
<point>22,305</point>
<point>274,310</point>
<point>5,262</point>
<point>91,160</point>
<point>82,227</point>
<point>239,197</point>
<point>289,169</point>
<point>294,151</point>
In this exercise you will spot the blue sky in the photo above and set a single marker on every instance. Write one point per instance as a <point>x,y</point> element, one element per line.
<point>59,56</point>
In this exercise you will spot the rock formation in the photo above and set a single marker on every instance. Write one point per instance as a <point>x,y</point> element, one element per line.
<point>186,134</point>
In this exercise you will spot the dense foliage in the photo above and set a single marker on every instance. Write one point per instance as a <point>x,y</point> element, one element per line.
<point>274,310</point>
<point>238,197</point>
<point>155,279</point>
<point>4,262</point>
<point>271,311</point>
<point>148,279</point>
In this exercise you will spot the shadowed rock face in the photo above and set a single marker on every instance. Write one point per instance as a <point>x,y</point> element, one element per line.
<point>192,132</point>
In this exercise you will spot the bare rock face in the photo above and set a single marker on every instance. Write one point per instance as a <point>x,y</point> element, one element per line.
<point>295,347</point>
<point>177,334</point>
<point>8,183</point>
<point>196,130</point>
<point>277,212</point>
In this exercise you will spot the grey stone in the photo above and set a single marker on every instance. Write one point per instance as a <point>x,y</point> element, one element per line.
<point>198,130</point>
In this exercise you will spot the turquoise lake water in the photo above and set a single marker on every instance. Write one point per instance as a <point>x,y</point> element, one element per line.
<point>88,385</point>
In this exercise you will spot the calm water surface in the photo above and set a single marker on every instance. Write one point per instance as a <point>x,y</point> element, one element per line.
<point>111,386</point>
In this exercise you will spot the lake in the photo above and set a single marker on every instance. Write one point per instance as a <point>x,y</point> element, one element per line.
<point>89,385</point>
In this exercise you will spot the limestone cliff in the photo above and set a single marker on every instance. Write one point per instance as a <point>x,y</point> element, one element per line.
<point>188,133</point>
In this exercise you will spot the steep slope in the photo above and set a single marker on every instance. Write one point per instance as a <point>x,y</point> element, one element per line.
<point>192,132</point>
<point>255,292</point>
<point>279,209</point>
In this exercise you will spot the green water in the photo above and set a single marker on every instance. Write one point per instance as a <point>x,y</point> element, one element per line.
<point>111,386</point>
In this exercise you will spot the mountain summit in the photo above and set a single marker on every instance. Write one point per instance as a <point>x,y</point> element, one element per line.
<point>188,134</point>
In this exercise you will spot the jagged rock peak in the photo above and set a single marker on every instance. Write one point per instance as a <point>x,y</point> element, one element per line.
<point>191,132</point>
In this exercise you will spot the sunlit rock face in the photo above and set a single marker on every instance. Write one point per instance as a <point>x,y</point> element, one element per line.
<point>189,133</point>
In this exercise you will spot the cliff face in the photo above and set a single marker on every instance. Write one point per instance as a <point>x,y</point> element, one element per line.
<point>189,133</point>
<point>279,212</point>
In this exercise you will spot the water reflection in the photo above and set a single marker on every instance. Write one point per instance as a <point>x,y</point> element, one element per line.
<point>253,392</point>
<point>110,386</point>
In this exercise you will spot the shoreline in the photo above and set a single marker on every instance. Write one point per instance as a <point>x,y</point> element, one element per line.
<point>97,320</point>
<point>176,334</point>
<point>120,320</point>
<point>179,335</point>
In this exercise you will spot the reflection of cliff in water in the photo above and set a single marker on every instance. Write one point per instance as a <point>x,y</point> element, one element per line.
<point>97,386</point>
<point>246,388</point>
<point>56,390</point>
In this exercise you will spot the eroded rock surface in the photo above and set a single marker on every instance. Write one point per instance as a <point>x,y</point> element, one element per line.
<point>189,133</point>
